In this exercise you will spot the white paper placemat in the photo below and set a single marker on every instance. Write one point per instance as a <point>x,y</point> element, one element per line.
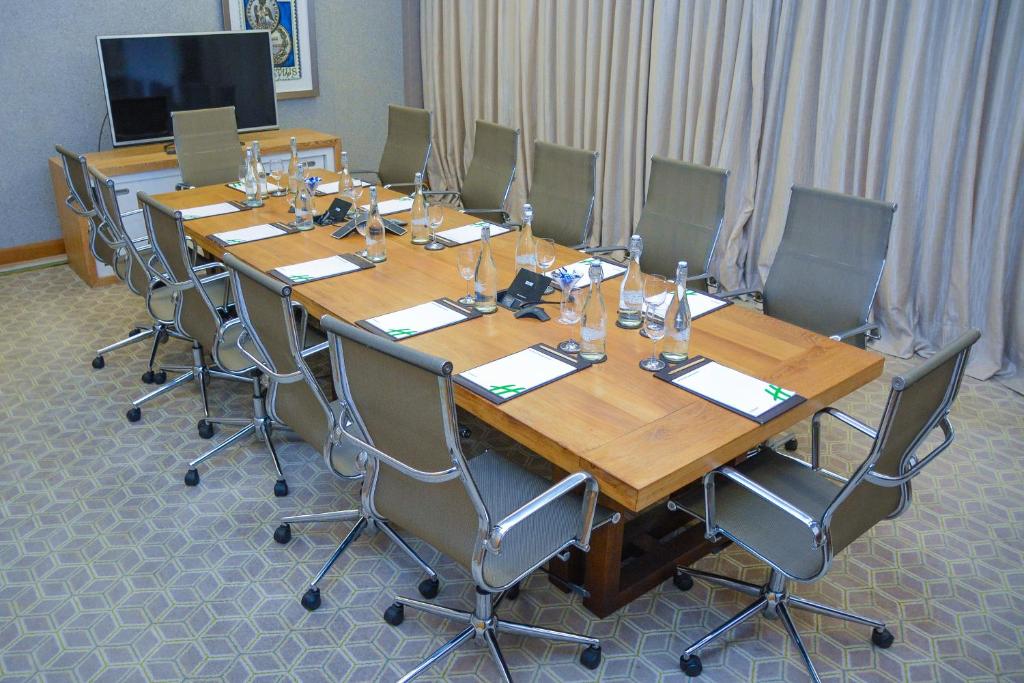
<point>464,234</point>
<point>699,303</point>
<point>391,206</point>
<point>271,187</point>
<point>317,269</point>
<point>518,373</point>
<point>335,186</point>
<point>733,389</point>
<point>416,319</point>
<point>250,234</point>
<point>208,210</point>
<point>581,268</point>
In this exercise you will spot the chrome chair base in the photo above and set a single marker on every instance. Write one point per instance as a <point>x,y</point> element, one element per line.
<point>260,424</point>
<point>135,335</point>
<point>428,588</point>
<point>481,623</point>
<point>773,601</point>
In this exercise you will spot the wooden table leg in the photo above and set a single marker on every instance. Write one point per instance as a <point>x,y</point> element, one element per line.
<point>604,569</point>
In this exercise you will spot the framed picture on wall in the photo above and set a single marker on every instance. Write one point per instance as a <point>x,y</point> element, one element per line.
<point>292,38</point>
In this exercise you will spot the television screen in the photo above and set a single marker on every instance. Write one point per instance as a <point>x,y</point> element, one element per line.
<point>148,77</point>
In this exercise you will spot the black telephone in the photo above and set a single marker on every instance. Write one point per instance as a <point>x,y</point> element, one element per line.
<point>526,288</point>
<point>335,213</point>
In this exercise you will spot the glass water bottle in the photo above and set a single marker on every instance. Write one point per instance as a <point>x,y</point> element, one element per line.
<point>420,222</point>
<point>526,247</point>
<point>261,171</point>
<point>294,168</point>
<point>345,182</point>
<point>631,293</point>
<point>676,346</point>
<point>376,245</point>
<point>594,320</point>
<point>252,185</point>
<point>485,277</point>
<point>304,206</point>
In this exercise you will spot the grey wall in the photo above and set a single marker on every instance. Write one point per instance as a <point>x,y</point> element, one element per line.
<point>52,91</point>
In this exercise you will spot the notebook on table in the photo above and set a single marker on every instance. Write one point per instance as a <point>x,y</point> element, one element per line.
<point>319,269</point>
<point>520,373</point>
<point>699,302</point>
<point>426,317</point>
<point>253,233</point>
<point>465,234</point>
<point>609,269</point>
<point>733,390</point>
<point>208,210</point>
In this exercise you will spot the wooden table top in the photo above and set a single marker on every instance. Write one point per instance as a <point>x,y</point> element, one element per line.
<point>641,437</point>
<point>152,157</point>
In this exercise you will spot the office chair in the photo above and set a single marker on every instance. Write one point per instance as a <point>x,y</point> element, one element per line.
<point>490,174</point>
<point>796,516</point>
<point>562,192</point>
<point>106,247</point>
<point>496,519</point>
<point>681,219</point>
<point>207,145</point>
<point>828,265</point>
<point>406,149</point>
<point>140,279</point>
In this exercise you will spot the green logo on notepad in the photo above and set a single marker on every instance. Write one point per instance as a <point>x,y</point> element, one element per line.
<point>504,390</point>
<point>300,278</point>
<point>401,332</point>
<point>778,393</point>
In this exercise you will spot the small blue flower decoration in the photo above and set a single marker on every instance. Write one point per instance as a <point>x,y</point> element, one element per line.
<point>313,181</point>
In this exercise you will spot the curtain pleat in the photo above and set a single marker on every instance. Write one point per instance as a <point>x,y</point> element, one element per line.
<point>917,102</point>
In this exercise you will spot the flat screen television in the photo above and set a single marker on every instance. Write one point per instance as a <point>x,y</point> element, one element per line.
<point>147,77</point>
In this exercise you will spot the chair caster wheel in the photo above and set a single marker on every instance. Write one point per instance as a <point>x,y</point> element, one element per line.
<point>395,614</point>
<point>98,363</point>
<point>192,477</point>
<point>134,414</point>
<point>163,337</point>
<point>280,488</point>
<point>147,377</point>
<point>513,592</point>
<point>883,638</point>
<point>591,657</point>
<point>683,582</point>
<point>465,432</point>
<point>311,599</point>
<point>159,377</point>
<point>791,444</point>
<point>691,666</point>
<point>205,429</point>
<point>428,588</point>
<point>283,533</point>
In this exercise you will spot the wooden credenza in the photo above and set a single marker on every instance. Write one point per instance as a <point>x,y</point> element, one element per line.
<point>149,168</point>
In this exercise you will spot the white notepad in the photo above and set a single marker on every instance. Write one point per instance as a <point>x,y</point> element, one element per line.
<point>464,234</point>
<point>335,186</point>
<point>250,234</point>
<point>417,319</point>
<point>208,210</point>
<point>271,187</point>
<point>319,268</point>
<point>699,303</point>
<point>581,268</point>
<point>512,375</point>
<point>391,206</point>
<point>734,389</point>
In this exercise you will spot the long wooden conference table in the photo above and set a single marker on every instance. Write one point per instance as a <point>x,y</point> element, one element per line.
<point>642,438</point>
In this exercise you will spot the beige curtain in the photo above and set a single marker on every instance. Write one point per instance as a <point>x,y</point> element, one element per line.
<point>913,101</point>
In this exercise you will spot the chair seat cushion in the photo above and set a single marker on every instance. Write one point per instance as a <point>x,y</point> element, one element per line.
<point>761,527</point>
<point>504,487</point>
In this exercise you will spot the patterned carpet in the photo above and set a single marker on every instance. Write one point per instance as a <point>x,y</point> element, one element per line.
<point>112,570</point>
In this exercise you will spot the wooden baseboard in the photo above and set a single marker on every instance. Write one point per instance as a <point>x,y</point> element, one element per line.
<point>31,252</point>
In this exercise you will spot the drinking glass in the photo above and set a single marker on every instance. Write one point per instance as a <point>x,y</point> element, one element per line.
<point>466,262</point>
<point>243,170</point>
<point>545,247</point>
<point>435,217</point>
<point>361,216</point>
<point>655,295</point>
<point>278,175</point>
<point>569,310</point>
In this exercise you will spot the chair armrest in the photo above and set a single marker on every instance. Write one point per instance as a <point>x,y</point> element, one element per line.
<point>393,185</point>
<point>848,420</point>
<point>322,346</point>
<point>761,492</point>
<point>866,328</point>
<point>207,266</point>
<point>916,465</point>
<point>130,213</point>
<point>555,492</point>
<point>77,208</point>
<point>740,292</point>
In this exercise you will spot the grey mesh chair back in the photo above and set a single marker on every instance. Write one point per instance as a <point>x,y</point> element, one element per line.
<point>562,192</point>
<point>493,167</point>
<point>919,402</point>
<point>275,325</point>
<point>830,260</point>
<point>402,401</point>
<point>682,217</point>
<point>195,315</point>
<point>407,147</point>
<point>207,145</point>
<point>80,200</point>
<point>138,274</point>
